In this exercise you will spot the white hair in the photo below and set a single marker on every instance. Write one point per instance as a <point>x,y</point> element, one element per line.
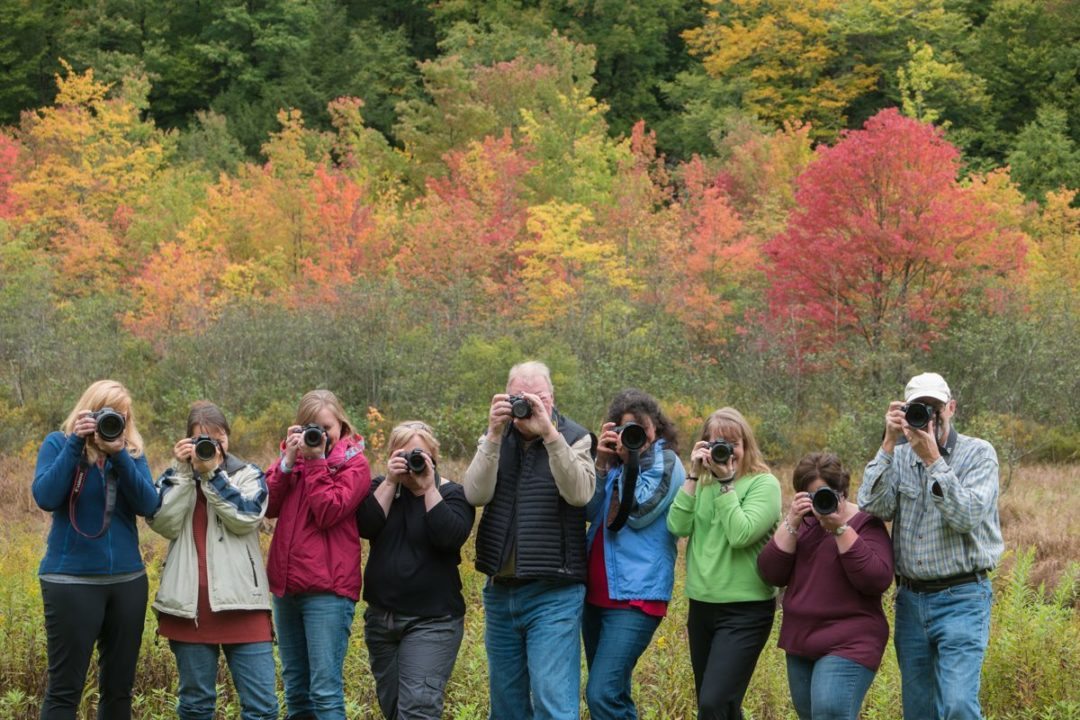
<point>530,369</point>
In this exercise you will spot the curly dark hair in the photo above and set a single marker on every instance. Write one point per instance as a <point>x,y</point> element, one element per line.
<point>642,405</point>
<point>826,466</point>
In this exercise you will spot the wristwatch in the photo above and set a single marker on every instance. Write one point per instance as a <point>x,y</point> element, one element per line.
<point>840,530</point>
<point>726,486</point>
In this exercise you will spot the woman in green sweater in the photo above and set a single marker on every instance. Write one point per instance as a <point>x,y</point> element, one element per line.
<point>728,508</point>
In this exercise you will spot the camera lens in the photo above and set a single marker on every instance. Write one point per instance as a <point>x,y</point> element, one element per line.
<point>632,436</point>
<point>110,424</point>
<point>205,447</point>
<point>313,436</point>
<point>721,451</point>
<point>520,408</point>
<point>416,461</point>
<point>825,501</point>
<point>918,415</point>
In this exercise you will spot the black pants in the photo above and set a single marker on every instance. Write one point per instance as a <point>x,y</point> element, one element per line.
<point>725,642</point>
<point>77,616</point>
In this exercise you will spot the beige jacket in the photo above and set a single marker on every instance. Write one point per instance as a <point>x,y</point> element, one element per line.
<point>236,499</point>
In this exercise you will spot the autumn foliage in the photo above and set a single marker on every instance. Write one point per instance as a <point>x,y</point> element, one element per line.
<point>886,244</point>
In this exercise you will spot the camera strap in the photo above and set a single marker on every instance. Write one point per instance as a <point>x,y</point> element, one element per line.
<point>623,503</point>
<point>110,498</point>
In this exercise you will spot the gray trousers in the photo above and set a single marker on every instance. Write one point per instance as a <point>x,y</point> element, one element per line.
<point>411,659</point>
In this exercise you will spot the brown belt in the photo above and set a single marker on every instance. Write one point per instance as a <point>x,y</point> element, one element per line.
<point>939,584</point>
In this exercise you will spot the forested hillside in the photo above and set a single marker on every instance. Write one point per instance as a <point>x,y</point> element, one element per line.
<point>788,206</point>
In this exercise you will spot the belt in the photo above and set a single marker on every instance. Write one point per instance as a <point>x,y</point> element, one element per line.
<point>505,581</point>
<point>939,584</point>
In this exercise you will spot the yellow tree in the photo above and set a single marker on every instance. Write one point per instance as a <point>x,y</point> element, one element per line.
<point>566,275</point>
<point>785,58</point>
<point>87,159</point>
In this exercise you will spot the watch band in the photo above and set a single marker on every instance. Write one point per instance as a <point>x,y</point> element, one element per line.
<point>840,530</point>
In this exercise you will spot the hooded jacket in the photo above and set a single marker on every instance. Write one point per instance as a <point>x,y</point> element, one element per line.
<point>316,545</point>
<point>236,501</point>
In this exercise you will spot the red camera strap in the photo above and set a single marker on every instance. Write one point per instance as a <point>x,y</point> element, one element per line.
<point>110,499</point>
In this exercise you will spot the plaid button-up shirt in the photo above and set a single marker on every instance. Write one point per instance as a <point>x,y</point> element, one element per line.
<point>937,536</point>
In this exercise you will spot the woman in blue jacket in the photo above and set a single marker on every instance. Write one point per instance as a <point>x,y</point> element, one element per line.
<point>631,568</point>
<point>94,479</point>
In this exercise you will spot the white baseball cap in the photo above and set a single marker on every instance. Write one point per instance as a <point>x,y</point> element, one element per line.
<point>927,385</point>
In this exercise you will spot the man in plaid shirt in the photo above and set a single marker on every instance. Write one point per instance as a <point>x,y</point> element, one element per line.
<point>940,489</point>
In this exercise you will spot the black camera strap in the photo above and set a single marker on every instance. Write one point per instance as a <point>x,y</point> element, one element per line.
<point>110,498</point>
<point>618,514</point>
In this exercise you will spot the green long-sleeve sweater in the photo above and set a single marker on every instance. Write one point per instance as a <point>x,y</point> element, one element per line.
<point>726,532</point>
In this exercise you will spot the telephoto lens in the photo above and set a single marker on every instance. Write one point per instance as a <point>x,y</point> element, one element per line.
<point>632,436</point>
<point>313,435</point>
<point>825,500</point>
<point>110,424</point>
<point>721,451</point>
<point>416,461</point>
<point>520,407</point>
<point>206,447</point>
<point>917,414</point>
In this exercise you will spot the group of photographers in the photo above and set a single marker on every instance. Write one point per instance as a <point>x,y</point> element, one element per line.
<point>577,537</point>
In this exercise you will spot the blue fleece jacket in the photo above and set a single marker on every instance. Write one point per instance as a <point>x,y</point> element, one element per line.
<point>69,553</point>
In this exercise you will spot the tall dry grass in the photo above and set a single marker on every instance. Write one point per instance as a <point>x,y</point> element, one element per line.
<point>1032,660</point>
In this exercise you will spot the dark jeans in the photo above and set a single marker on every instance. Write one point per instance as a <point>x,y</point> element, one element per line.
<point>76,617</point>
<point>725,642</point>
<point>411,659</point>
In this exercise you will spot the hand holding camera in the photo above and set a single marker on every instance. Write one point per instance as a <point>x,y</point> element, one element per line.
<point>106,426</point>
<point>607,445</point>
<point>308,442</point>
<point>498,416</point>
<point>801,504</point>
<point>529,415</point>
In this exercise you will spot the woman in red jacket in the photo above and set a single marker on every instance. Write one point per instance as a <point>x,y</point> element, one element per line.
<point>314,563</point>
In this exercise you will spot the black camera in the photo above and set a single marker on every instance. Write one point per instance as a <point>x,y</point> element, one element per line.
<point>917,414</point>
<point>825,500</point>
<point>416,461</point>
<point>520,407</point>
<point>632,436</point>
<point>314,435</point>
<point>110,424</point>
<point>721,451</point>
<point>206,447</point>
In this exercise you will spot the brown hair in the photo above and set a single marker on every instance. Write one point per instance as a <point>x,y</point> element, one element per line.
<point>825,466</point>
<point>316,400</point>
<point>729,424</point>
<point>403,432</point>
<point>101,394</point>
<point>207,415</point>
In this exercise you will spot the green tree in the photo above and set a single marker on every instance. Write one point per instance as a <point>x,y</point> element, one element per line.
<point>1044,156</point>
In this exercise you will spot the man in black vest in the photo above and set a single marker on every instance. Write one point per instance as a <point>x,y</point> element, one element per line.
<point>534,471</point>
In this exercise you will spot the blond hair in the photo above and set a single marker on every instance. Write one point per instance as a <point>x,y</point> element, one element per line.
<point>102,394</point>
<point>313,402</point>
<point>729,424</point>
<point>403,432</point>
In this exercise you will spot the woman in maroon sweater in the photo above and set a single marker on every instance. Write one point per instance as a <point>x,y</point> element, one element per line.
<point>836,561</point>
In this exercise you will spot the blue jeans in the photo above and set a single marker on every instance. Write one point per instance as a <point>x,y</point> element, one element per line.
<point>532,635</point>
<point>252,668</point>
<point>829,688</point>
<point>614,640</point>
<point>940,641</point>
<point>313,634</point>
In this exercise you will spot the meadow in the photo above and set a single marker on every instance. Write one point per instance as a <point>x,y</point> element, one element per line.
<point>1030,670</point>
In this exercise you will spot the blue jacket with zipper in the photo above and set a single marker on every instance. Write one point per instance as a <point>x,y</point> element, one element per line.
<point>69,553</point>
<point>640,557</point>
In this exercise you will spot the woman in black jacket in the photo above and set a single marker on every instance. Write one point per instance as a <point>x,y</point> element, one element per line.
<point>416,522</point>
